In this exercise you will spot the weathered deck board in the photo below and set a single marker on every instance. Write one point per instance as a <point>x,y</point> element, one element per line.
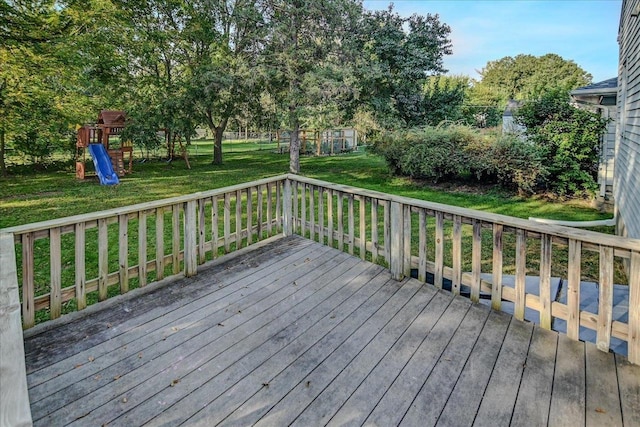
<point>293,332</point>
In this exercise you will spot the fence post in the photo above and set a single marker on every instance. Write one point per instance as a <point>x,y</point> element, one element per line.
<point>190,232</point>
<point>287,228</point>
<point>14,397</point>
<point>397,241</point>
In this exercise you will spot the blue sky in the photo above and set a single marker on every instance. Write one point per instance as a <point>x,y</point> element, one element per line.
<point>584,31</point>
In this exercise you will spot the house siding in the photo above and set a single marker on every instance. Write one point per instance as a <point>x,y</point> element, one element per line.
<point>627,144</point>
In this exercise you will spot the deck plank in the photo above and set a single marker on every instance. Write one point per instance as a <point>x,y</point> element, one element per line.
<point>293,386</point>
<point>348,318</point>
<point>228,290</point>
<point>431,399</point>
<point>629,385</point>
<point>218,354</point>
<point>294,332</point>
<point>464,400</point>
<point>45,348</point>
<point>395,402</point>
<point>159,339</point>
<point>568,392</point>
<point>534,395</point>
<point>500,396</point>
<point>363,400</point>
<point>603,404</point>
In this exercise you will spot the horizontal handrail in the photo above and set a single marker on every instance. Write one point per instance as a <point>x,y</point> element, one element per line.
<point>463,246</point>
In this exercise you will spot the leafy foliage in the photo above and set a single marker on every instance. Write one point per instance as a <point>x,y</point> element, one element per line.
<point>460,153</point>
<point>568,139</point>
<point>528,76</point>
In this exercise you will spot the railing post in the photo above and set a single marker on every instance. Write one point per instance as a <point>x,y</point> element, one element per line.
<point>634,309</point>
<point>14,396</point>
<point>397,241</point>
<point>287,228</point>
<point>190,232</point>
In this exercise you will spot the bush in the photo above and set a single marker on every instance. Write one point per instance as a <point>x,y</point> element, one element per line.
<point>459,153</point>
<point>569,140</point>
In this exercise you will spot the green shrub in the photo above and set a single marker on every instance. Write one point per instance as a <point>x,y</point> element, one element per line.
<point>458,152</point>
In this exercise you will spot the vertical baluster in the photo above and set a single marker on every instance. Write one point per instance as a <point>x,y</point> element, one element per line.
<point>202,255</point>
<point>351,223</point>
<point>123,252</point>
<point>397,241</point>
<point>249,217</point>
<point>55,264</point>
<point>330,217</point>
<point>80,279</point>
<point>545,281</point>
<point>321,228</point>
<point>312,213</point>
<point>605,299</point>
<point>28,285</point>
<point>103,259</point>
<point>521,273</point>
<point>634,309</point>
<point>340,221</point>
<point>406,238</point>
<point>303,210</point>
<point>422,245</point>
<point>439,257</point>
<point>296,221</point>
<point>175,239</point>
<point>573,289</point>
<point>142,248</point>
<point>476,260</point>
<point>457,254</point>
<point>227,223</point>
<point>238,219</point>
<point>278,205</point>
<point>269,209</point>
<point>496,286</point>
<point>215,234</point>
<point>159,243</point>
<point>374,230</point>
<point>260,208</point>
<point>387,231</point>
<point>362,247</point>
<point>190,244</point>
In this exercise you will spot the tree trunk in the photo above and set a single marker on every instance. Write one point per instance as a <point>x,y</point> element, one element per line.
<point>294,145</point>
<point>218,133</point>
<point>3,166</point>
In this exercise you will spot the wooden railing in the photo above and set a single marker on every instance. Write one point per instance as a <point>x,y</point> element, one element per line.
<point>65,264</point>
<point>442,243</point>
<point>68,263</point>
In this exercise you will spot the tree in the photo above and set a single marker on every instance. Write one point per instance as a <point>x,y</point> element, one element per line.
<point>569,139</point>
<point>399,55</point>
<point>306,38</point>
<point>224,40</point>
<point>443,97</point>
<point>528,76</point>
<point>46,59</point>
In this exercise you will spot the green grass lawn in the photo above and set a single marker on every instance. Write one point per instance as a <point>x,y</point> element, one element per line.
<point>37,196</point>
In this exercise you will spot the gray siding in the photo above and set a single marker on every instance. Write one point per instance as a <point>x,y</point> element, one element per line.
<point>627,168</point>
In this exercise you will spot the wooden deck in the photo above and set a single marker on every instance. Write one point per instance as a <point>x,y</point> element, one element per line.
<point>294,332</point>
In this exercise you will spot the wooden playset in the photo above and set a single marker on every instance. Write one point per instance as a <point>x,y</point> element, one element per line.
<point>110,123</point>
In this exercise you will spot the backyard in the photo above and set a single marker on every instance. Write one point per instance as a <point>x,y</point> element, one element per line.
<point>32,196</point>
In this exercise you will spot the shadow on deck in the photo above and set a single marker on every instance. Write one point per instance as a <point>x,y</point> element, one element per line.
<point>294,332</point>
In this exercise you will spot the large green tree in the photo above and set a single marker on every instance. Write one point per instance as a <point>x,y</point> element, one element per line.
<point>399,55</point>
<point>527,76</point>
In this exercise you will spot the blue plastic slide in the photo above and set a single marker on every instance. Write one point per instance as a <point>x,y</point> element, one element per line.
<point>102,162</point>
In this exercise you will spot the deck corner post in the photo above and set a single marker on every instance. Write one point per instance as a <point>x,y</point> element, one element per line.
<point>287,228</point>
<point>190,232</point>
<point>396,262</point>
<point>634,309</point>
<point>14,399</point>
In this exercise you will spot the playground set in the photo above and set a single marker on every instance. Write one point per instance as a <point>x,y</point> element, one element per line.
<point>108,156</point>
